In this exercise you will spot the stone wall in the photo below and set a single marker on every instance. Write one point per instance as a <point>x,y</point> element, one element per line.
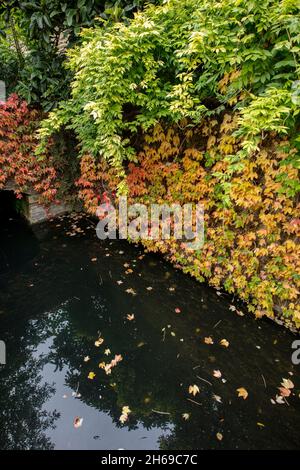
<point>35,212</point>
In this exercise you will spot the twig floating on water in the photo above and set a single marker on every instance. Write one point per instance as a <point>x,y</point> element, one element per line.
<point>161,412</point>
<point>204,380</point>
<point>264,381</point>
<point>218,323</point>
<point>193,401</point>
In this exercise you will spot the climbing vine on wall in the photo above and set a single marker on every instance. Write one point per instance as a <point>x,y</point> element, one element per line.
<point>251,246</point>
<point>185,59</point>
<point>18,163</point>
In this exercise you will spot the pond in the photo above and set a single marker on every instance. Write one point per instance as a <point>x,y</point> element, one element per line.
<point>63,290</point>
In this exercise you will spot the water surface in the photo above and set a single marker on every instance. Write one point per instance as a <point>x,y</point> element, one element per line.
<point>61,289</point>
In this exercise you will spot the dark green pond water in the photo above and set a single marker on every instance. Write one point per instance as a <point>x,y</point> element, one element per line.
<point>55,302</point>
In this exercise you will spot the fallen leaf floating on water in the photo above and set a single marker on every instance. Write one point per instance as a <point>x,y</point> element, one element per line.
<point>171,289</point>
<point>177,310</point>
<point>224,343</point>
<point>130,317</point>
<point>232,308</point>
<point>287,383</point>
<point>242,392</point>
<point>91,375</point>
<point>94,260</point>
<point>186,416</point>
<point>261,425</point>
<point>219,436</point>
<point>279,400</point>
<point>130,291</point>
<point>208,340</point>
<point>217,374</point>
<point>107,352</point>
<point>118,358</point>
<point>108,367</point>
<point>125,413</point>
<point>194,389</point>
<point>119,282</point>
<point>126,410</point>
<point>99,342</point>
<point>240,313</point>
<point>86,358</point>
<point>217,398</point>
<point>284,392</point>
<point>149,288</point>
<point>77,422</point>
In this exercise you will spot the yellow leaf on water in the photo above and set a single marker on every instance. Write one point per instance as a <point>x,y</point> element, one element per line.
<point>99,342</point>
<point>242,392</point>
<point>208,340</point>
<point>123,418</point>
<point>91,375</point>
<point>126,410</point>
<point>130,291</point>
<point>287,383</point>
<point>186,416</point>
<point>219,436</point>
<point>224,343</point>
<point>130,317</point>
<point>194,389</point>
<point>107,352</point>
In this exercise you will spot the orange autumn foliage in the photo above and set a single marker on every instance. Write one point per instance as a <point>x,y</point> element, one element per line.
<point>251,243</point>
<point>18,164</point>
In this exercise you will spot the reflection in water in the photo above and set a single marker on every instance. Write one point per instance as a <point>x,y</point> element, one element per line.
<point>54,308</point>
<point>23,422</point>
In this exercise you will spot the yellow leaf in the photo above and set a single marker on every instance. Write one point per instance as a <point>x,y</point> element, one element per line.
<point>208,340</point>
<point>91,375</point>
<point>126,410</point>
<point>287,383</point>
<point>242,392</point>
<point>224,343</point>
<point>219,436</point>
<point>194,389</point>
